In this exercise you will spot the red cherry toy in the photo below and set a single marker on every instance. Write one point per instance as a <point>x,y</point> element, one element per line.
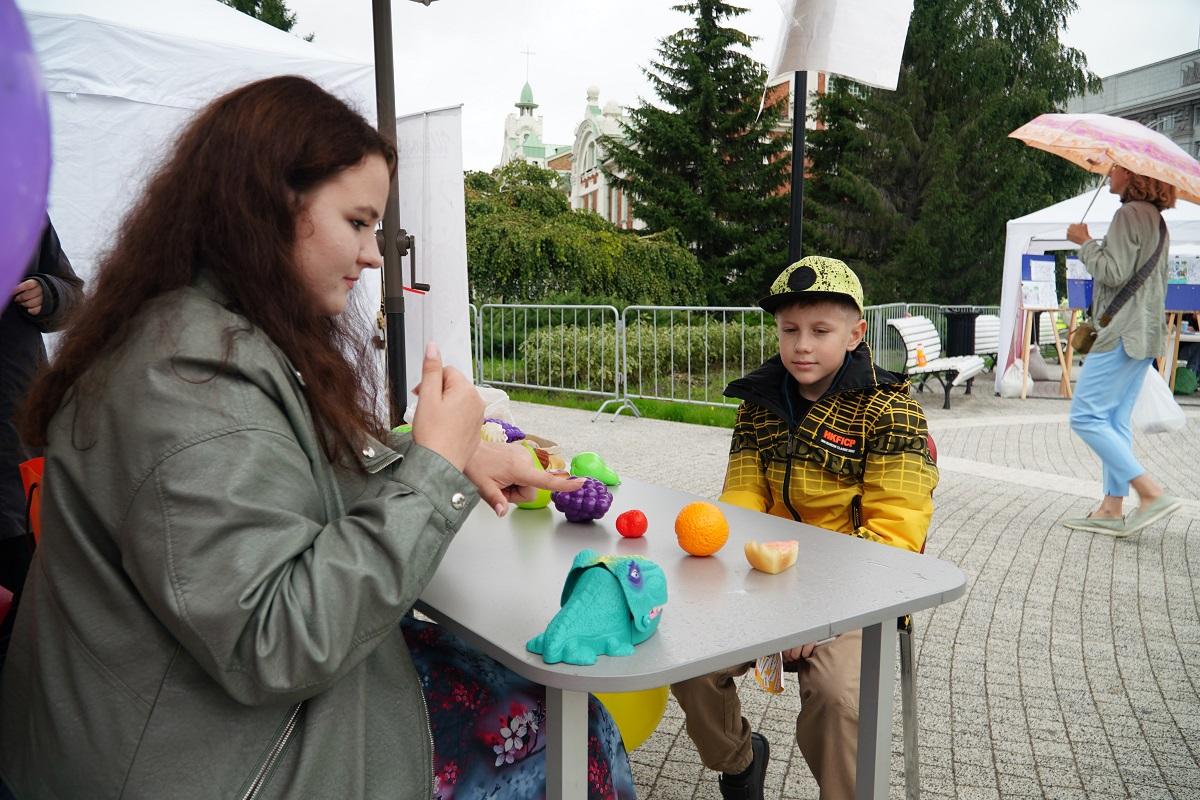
<point>631,524</point>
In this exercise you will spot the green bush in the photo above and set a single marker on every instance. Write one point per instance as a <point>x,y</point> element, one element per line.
<point>566,355</point>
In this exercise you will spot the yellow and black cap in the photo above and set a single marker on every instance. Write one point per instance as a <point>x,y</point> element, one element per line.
<point>813,275</point>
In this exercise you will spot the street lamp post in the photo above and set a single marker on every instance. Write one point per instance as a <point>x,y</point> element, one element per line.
<point>799,113</point>
<point>395,242</point>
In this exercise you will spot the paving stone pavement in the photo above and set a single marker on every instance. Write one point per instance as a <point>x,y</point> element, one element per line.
<point>1070,668</point>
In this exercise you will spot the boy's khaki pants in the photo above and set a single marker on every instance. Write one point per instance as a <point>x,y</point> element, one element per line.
<point>826,728</point>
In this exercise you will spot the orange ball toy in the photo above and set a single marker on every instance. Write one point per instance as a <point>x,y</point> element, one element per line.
<point>701,529</point>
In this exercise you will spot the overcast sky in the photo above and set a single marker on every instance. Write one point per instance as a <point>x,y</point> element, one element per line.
<point>470,52</point>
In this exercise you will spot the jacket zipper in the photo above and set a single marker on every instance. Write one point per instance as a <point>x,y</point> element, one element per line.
<point>429,730</point>
<point>787,477</point>
<point>272,757</point>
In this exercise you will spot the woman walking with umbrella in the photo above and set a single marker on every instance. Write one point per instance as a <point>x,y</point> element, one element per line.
<point>1129,267</point>
<point>1125,345</point>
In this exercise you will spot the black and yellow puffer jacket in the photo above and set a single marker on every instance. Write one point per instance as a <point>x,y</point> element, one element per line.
<point>856,461</point>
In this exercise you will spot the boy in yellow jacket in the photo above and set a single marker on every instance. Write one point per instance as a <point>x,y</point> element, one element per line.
<point>825,437</point>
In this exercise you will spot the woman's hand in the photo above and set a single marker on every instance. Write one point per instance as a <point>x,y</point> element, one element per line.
<point>450,413</point>
<point>504,473</point>
<point>1077,232</point>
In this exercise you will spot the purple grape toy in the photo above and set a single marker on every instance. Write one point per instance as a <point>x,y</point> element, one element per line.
<point>511,431</point>
<point>588,502</point>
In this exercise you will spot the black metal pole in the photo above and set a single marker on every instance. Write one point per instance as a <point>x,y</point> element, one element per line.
<point>799,112</point>
<point>393,273</point>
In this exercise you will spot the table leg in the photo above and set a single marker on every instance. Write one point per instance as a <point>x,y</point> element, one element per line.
<point>566,746</point>
<point>1026,341</point>
<point>875,711</point>
<point>1175,352</point>
<point>1064,383</point>
<point>1172,319</point>
<point>1070,347</point>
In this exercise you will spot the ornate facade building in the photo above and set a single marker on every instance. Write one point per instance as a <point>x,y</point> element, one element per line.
<point>581,165</point>
<point>590,188</point>
<point>1164,96</point>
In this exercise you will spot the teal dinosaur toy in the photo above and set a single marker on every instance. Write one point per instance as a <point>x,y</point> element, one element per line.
<point>609,604</point>
<point>591,465</point>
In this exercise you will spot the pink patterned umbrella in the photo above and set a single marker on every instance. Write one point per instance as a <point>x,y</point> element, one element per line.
<point>1097,141</point>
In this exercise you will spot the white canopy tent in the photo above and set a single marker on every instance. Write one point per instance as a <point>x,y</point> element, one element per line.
<point>123,76</point>
<point>1046,230</point>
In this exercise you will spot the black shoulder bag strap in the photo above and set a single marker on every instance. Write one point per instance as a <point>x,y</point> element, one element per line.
<point>1139,277</point>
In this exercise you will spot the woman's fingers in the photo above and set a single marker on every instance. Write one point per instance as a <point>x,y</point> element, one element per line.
<point>448,417</point>
<point>431,373</point>
<point>554,481</point>
<point>494,496</point>
<point>520,494</point>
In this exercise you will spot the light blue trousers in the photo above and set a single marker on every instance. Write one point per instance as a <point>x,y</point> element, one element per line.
<point>1100,413</point>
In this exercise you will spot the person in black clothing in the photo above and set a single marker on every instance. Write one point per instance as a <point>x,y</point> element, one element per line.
<point>39,304</point>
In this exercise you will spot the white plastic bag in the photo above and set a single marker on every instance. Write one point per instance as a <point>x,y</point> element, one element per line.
<point>497,405</point>
<point>1010,384</point>
<point>1155,410</point>
<point>1038,370</point>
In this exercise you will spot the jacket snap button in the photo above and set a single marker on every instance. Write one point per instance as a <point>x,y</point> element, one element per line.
<point>458,501</point>
<point>369,452</point>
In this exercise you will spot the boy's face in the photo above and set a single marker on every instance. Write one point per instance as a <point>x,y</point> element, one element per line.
<point>813,342</point>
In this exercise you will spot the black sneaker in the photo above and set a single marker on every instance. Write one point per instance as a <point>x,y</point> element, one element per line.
<point>748,785</point>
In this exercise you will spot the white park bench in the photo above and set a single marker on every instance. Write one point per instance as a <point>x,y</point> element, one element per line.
<point>950,371</point>
<point>987,335</point>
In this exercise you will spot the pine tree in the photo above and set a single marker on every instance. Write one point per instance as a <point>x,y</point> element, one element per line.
<point>706,163</point>
<point>916,185</point>
<point>273,12</point>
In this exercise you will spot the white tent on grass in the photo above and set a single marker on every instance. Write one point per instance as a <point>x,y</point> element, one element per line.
<point>123,76</point>
<point>1046,230</point>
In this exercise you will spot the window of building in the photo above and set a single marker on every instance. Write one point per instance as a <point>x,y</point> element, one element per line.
<point>1166,122</point>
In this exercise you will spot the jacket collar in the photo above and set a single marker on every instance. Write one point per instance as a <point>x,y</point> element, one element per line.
<point>206,284</point>
<point>770,386</point>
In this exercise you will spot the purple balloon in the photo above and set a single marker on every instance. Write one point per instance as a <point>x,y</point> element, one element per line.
<point>24,149</point>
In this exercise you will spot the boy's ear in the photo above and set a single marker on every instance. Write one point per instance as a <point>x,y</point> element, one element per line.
<point>857,332</point>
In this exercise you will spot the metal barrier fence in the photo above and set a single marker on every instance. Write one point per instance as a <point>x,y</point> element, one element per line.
<point>682,354</point>
<point>571,348</point>
<point>886,347</point>
<point>476,343</point>
<point>688,354</point>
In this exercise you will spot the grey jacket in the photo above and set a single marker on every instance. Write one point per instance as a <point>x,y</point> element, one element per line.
<point>213,607</point>
<point>1112,261</point>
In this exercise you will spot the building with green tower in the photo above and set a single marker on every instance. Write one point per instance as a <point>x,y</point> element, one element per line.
<point>523,136</point>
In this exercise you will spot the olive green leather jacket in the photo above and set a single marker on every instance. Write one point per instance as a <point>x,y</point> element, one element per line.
<point>213,609</point>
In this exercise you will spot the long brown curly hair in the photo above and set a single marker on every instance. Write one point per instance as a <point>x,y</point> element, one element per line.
<point>225,203</point>
<point>1151,190</point>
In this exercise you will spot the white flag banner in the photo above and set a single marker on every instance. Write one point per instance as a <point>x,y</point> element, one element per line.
<point>860,39</point>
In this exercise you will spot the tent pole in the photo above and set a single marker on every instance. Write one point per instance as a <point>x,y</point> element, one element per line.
<point>393,275</point>
<point>799,112</point>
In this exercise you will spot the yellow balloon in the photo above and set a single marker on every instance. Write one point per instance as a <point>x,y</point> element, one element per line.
<point>636,713</point>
